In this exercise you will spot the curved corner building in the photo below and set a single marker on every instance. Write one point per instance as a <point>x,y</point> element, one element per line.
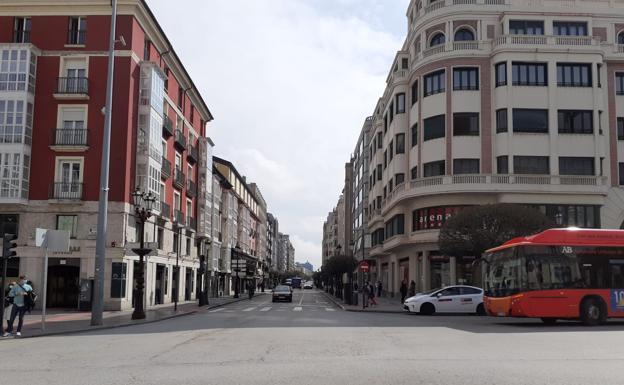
<point>490,101</point>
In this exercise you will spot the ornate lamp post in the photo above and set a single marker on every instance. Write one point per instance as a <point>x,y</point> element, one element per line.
<point>143,204</point>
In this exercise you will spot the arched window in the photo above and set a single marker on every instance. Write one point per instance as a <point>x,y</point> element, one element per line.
<point>438,39</point>
<point>621,38</point>
<point>464,34</point>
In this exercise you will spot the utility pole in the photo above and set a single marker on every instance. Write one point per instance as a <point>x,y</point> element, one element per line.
<point>100,244</point>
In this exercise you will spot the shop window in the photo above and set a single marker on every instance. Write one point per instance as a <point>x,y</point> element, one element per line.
<point>118,280</point>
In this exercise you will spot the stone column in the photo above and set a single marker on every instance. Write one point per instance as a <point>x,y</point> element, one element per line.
<point>453,270</point>
<point>426,273</point>
<point>413,270</point>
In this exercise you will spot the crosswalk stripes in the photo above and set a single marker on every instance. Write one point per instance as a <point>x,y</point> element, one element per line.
<point>216,310</point>
<point>250,308</point>
<point>329,309</point>
<point>266,308</point>
<point>298,308</point>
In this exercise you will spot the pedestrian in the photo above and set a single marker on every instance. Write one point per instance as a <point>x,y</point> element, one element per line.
<point>19,292</point>
<point>371,295</point>
<point>250,289</point>
<point>8,303</point>
<point>403,290</point>
<point>379,288</point>
<point>412,289</point>
<point>365,295</point>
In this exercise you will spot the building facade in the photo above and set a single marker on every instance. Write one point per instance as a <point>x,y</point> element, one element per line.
<point>52,89</point>
<point>491,102</point>
<point>359,181</point>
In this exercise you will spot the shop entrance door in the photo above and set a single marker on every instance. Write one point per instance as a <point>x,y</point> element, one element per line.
<point>63,286</point>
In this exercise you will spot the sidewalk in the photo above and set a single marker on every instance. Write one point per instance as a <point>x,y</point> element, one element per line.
<point>67,322</point>
<point>384,305</point>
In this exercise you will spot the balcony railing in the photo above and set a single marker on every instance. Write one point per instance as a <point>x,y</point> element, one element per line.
<point>21,36</point>
<point>167,128</point>
<point>191,189</point>
<point>193,154</point>
<point>70,137</point>
<point>165,171</point>
<point>179,218</point>
<point>191,222</point>
<point>165,210</point>
<point>73,85</point>
<point>549,40</point>
<point>179,140</point>
<point>77,36</point>
<point>66,190</point>
<point>178,179</point>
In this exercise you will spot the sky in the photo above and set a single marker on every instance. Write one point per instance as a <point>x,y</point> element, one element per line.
<point>289,83</point>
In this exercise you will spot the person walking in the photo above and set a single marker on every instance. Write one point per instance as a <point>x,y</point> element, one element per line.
<point>365,295</point>
<point>379,288</point>
<point>20,305</point>
<point>8,304</point>
<point>250,289</point>
<point>403,290</point>
<point>412,289</point>
<point>371,291</point>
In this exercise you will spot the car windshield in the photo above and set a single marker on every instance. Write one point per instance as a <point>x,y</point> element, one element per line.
<point>282,288</point>
<point>430,291</point>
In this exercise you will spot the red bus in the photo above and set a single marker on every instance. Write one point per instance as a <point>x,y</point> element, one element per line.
<point>557,274</point>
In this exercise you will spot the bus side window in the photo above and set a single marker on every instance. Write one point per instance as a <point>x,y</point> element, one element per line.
<point>617,275</point>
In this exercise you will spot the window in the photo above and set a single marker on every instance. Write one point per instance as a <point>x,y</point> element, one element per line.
<point>385,118</point>
<point>576,166</point>
<point>16,73</point>
<point>414,172</point>
<point>391,110</point>
<point>385,159</point>
<point>465,166</point>
<point>414,92</point>
<point>529,74</point>
<point>146,49</point>
<point>620,38</point>
<point>502,165</point>
<point>501,74</point>
<point>391,151</point>
<point>620,128</point>
<point>400,143</point>
<point>437,39</point>
<point>118,279</point>
<point>466,124</point>
<point>569,28</point>
<point>415,134</point>
<point>619,83</point>
<point>399,178</point>
<point>466,79</point>
<point>435,127</point>
<point>529,120</point>
<point>535,165</point>
<point>435,83</point>
<point>180,98</point>
<point>68,223</point>
<point>9,224</point>
<point>576,122</point>
<point>160,234</point>
<point>21,30</point>
<point>598,75</point>
<point>400,103</point>
<point>378,172</point>
<point>77,30</point>
<point>501,120</point>
<point>390,186</point>
<point>621,173</point>
<point>574,75</point>
<point>395,226</point>
<point>15,125</point>
<point>404,63</point>
<point>68,179</point>
<point>526,27</point>
<point>464,34</point>
<point>379,140</point>
<point>434,168</point>
<point>188,246</point>
<point>12,184</point>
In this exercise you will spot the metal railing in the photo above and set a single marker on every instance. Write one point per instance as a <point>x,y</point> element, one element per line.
<point>191,222</point>
<point>66,190</point>
<point>70,137</point>
<point>179,139</point>
<point>165,210</point>
<point>193,154</point>
<point>179,218</point>
<point>167,127</point>
<point>546,40</point>
<point>165,171</point>
<point>178,179</point>
<point>73,85</point>
<point>191,189</point>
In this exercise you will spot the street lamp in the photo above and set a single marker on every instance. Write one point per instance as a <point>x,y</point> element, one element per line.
<point>143,204</point>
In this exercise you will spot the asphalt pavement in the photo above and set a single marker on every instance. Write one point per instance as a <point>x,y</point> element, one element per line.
<point>312,341</point>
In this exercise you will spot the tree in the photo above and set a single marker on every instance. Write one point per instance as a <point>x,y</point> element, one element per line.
<point>334,268</point>
<point>476,229</point>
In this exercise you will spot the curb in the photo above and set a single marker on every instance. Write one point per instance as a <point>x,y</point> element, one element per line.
<point>376,311</point>
<point>335,301</point>
<point>108,327</point>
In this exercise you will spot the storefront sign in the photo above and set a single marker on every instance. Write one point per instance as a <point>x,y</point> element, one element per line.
<point>434,217</point>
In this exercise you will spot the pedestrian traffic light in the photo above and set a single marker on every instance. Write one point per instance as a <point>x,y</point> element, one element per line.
<point>8,246</point>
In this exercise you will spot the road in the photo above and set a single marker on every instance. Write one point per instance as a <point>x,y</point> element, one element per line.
<point>311,341</point>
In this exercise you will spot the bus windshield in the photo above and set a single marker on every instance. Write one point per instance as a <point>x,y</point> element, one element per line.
<point>526,268</point>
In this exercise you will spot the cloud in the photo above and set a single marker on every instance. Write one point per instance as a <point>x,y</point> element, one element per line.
<point>290,83</point>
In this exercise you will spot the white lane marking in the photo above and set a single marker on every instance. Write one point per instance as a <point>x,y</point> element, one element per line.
<point>216,310</point>
<point>298,308</point>
<point>301,300</point>
<point>250,308</point>
<point>229,311</point>
<point>266,308</point>
<point>281,309</point>
<point>329,309</point>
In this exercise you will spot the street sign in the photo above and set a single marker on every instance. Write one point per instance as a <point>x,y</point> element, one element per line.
<point>364,267</point>
<point>136,245</point>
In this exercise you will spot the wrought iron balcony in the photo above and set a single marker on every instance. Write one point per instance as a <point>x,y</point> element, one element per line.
<point>179,218</point>
<point>66,190</point>
<point>179,140</point>
<point>73,86</point>
<point>178,179</point>
<point>165,171</point>
<point>167,127</point>
<point>191,189</point>
<point>165,210</point>
<point>193,154</point>
<point>70,137</point>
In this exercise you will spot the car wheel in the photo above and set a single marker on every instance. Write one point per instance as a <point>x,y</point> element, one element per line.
<point>593,311</point>
<point>549,320</point>
<point>481,309</point>
<point>427,308</point>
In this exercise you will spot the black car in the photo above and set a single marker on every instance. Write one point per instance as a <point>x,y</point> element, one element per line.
<point>282,293</point>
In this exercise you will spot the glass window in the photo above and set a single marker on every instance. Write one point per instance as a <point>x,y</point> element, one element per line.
<point>414,134</point>
<point>434,168</point>
<point>399,178</point>
<point>118,279</point>
<point>526,27</point>
<point>502,165</point>
<point>466,124</point>
<point>501,120</point>
<point>435,83</point>
<point>451,291</point>
<point>77,30</point>
<point>465,166</point>
<point>466,79</point>
<point>414,172</point>
<point>68,223</point>
<point>530,120</point>
<point>620,38</point>
<point>378,172</point>
<point>391,111</point>
<point>438,39</point>
<point>395,226</point>
<point>464,34</point>
<point>620,128</point>
<point>501,74</point>
<point>21,31</point>
<point>379,140</point>
<point>576,166</point>
<point>400,143</point>
<point>532,165</point>
<point>465,290</point>
<point>576,122</point>
<point>619,83</point>
<point>435,127</point>
<point>530,74</point>
<point>414,92</point>
<point>621,173</point>
<point>569,28</point>
<point>391,151</point>
<point>400,103</point>
<point>574,75</point>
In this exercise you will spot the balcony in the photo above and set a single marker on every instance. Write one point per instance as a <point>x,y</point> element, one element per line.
<point>193,154</point>
<point>70,139</point>
<point>191,189</point>
<point>165,210</point>
<point>21,36</point>
<point>191,223</point>
<point>66,191</point>
<point>179,218</point>
<point>167,127</point>
<point>178,179</point>
<point>72,88</point>
<point>179,140</point>
<point>165,171</point>
<point>546,41</point>
<point>450,47</point>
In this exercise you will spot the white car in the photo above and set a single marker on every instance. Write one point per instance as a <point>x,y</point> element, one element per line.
<point>308,285</point>
<point>451,299</point>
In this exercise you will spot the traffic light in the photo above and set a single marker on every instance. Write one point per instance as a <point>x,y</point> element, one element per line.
<point>8,246</point>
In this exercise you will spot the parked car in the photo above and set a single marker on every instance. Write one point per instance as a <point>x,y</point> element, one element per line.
<point>450,299</point>
<point>308,285</point>
<point>282,293</point>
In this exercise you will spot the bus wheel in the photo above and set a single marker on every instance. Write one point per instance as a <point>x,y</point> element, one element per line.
<point>427,309</point>
<point>481,309</point>
<point>593,311</point>
<point>549,320</point>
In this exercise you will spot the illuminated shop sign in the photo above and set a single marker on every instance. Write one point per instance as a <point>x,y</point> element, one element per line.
<point>433,217</point>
